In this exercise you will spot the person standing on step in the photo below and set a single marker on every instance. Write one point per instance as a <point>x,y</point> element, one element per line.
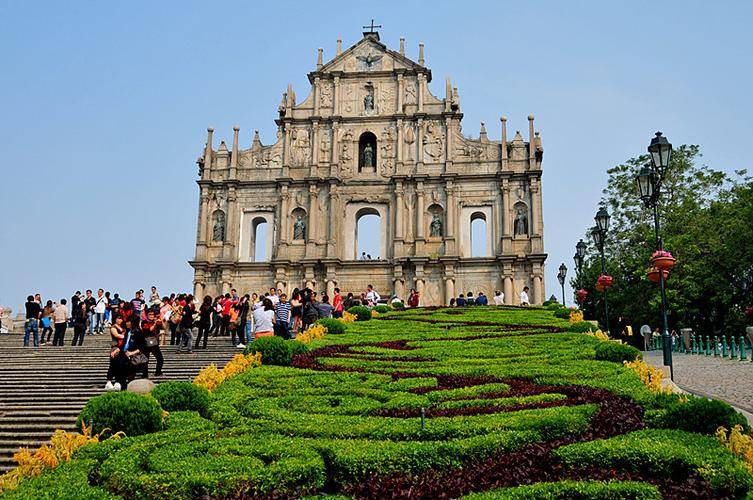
<point>524,300</point>
<point>137,304</point>
<point>75,300</point>
<point>80,316</point>
<point>337,303</point>
<point>186,324</point>
<point>90,303</point>
<point>282,317</point>
<point>46,321</point>
<point>114,305</point>
<point>33,311</point>
<point>100,306</point>
<point>264,320</point>
<point>116,370</point>
<point>60,317</point>
<point>205,314</point>
<point>151,328</point>
<point>245,307</point>
<point>234,326</point>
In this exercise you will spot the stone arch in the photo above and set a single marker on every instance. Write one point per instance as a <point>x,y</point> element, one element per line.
<point>436,211</point>
<point>367,147</point>
<point>294,215</point>
<point>368,228</point>
<point>261,239</point>
<point>479,235</point>
<point>354,213</point>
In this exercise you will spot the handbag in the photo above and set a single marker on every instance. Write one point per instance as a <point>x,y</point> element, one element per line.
<point>152,342</point>
<point>138,360</point>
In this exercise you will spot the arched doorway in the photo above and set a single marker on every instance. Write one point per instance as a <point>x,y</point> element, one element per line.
<point>479,244</point>
<point>260,230</point>
<point>367,153</point>
<point>368,234</point>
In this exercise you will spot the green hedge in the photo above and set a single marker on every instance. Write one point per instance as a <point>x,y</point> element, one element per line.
<point>333,326</point>
<point>699,415</point>
<point>362,313</point>
<point>276,350</point>
<point>568,490</point>
<point>134,414</point>
<point>582,327</point>
<point>381,309</point>
<point>181,396</point>
<point>616,352</point>
<point>562,313</point>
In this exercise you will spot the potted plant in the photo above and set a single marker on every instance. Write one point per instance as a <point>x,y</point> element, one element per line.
<point>653,274</point>
<point>661,259</point>
<point>605,280</point>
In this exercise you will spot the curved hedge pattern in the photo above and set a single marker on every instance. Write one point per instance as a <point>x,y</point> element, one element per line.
<point>420,404</point>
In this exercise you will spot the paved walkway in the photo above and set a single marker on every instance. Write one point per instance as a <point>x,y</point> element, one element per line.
<point>725,379</point>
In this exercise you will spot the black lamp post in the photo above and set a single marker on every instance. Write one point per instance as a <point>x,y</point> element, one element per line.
<point>599,235</point>
<point>649,182</point>
<point>561,277</point>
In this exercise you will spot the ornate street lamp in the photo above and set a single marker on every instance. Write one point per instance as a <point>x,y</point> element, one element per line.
<point>561,277</point>
<point>649,181</point>
<point>578,263</point>
<point>599,235</point>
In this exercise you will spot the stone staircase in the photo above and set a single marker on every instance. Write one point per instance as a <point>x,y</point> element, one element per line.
<point>44,388</point>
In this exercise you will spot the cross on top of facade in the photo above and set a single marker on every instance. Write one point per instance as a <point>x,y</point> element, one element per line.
<point>372,26</point>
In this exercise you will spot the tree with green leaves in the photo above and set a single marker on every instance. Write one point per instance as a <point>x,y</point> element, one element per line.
<point>706,223</point>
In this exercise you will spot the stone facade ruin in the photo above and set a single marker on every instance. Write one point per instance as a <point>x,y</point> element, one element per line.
<point>371,139</point>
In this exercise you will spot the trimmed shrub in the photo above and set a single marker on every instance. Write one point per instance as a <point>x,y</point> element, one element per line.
<point>700,415</point>
<point>134,414</point>
<point>275,350</point>
<point>562,313</point>
<point>333,326</point>
<point>381,309</point>
<point>616,352</point>
<point>582,490</point>
<point>182,396</point>
<point>362,313</point>
<point>582,327</point>
<point>398,305</point>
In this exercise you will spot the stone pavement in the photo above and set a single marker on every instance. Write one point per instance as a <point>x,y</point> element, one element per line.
<point>713,377</point>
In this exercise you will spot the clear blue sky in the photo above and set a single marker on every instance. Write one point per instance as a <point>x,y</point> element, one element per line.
<point>105,107</point>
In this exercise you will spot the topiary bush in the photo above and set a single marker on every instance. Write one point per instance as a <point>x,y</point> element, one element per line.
<point>275,350</point>
<point>134,414</point>
<point>553,306</point>
<point>362,313</point>
<point>699,415</point>
<point>398,305</point>
<point>562,313</point>
<point>333,326</point>
<point>381,309</point>
<point>582,327</point>
<point>182,396</point>
<point>616,352</point>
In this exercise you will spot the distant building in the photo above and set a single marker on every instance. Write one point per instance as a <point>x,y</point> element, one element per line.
<point>371,139</point>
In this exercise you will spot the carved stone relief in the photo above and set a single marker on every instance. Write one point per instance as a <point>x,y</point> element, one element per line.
<point>409,136</point>
<point>433,142</point>
<point>301,147</point>
<point>325,94</point>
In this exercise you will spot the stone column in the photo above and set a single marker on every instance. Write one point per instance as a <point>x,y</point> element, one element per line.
<point>286,148</point>
<point>538,213</point>
<point>201,233</point>
<point>330,289</point>
<point>308,277</point>
<point>284,213</point>
<point>234,154</point>
<point>400,92</point>
<point>399,143</point>
<point>398,281</point>
<point>231,227</point>
<point>313,213</point>
<point>399,209</point>
<point>336,97</point>
<point>314,146</point>
<point>316,96</point>
<point>449,289</point>
<point>507,289</point>
<point>281,286</point>
<point>450,190</point>
<point>503,152</point>
<point>449,151</point>
<point>421,79</point>
<point>420,210</point>
<point>420,141</point>
<point>538,289</point>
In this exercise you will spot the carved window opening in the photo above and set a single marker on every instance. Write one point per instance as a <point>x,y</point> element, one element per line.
<point>368,234</point>
<point>260,243</point>
<point>367,153</point>
<point>478,235</point>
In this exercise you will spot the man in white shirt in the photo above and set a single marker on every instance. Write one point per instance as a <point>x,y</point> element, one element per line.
<point>372,297</point>
<point>273,296</point>
<point>60,318</point>
<point>499,298</point>
<point>524,297</point>
<point>100,306</point>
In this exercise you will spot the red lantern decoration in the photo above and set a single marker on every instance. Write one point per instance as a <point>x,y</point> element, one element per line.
<point>580,296</point>
<point>605,280</point>
<point>599,287</point>
<point>653,274</point>
<point>661,259</point>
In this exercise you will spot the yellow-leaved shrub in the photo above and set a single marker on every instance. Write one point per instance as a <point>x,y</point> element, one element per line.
<point>576,316</point>
<point>60,449</point>
<point>314,332</point>
<point>738,442</point>
<point>210,376</point>
<point>348,317</point>
<point>650,375</point>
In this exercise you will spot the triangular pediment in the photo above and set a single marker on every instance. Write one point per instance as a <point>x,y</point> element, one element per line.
<point>367,55</point>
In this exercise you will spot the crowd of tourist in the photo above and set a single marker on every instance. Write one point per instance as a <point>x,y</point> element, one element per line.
<point>140,327</point>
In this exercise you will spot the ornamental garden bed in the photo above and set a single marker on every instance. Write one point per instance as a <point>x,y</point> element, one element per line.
<point>494,402</point>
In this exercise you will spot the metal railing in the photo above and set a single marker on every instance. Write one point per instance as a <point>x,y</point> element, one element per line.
<point>713,346</point>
